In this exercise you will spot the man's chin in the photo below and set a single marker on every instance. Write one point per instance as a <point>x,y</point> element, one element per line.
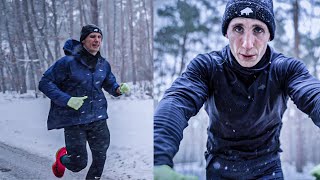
<point>247,63</point>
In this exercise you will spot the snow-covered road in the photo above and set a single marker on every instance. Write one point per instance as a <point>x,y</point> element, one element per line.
<point>16,163</point>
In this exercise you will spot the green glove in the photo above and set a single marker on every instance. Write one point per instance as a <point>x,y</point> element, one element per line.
<point>165,172</point>
<point>124,88</point>
<point>76,102</point>
<point>316,172</point>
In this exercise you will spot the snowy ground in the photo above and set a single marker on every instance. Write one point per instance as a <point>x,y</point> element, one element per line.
<point>130,156</point>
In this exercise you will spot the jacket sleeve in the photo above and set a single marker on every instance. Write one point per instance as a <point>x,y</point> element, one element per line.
<point>180,102</point>
<point>50,80</point>
<point>303,89</point>
<point>110,83</point>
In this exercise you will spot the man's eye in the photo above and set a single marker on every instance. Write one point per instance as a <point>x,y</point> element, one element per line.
<point>238,29</point>
<point>258,30</point>
<point>95,36</point>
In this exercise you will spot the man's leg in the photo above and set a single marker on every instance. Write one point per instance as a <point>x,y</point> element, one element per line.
<point>75,139</point>
<point>99,140</point>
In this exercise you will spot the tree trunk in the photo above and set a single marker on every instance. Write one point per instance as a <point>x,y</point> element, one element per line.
<point>44,36</point>
<point>80,4</point>
<point>94,12</point>
<point>71,21</point>
<point>19,44</point>
<point>2,81</point>
<point>183,53</point>
<point>32,50</point>
<point>2,58</point>
<point>133,62</point>
<point>149,38</point>
<point>55,30</point>
<point>123,48</point>
<point>15,80</point>
<point>300,153</point>
<point>114,27</point>
<point>108,36</point>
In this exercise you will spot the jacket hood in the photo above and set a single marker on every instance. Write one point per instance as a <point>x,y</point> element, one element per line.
<point>71,47</point>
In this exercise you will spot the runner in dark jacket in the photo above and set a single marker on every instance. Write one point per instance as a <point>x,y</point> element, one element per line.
<point>245,88</point>
<point>74,84</point>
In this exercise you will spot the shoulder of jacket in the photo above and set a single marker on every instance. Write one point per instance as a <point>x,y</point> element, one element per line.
<point>211,61</point>
<point>280,60</point>
<point>64,60</point>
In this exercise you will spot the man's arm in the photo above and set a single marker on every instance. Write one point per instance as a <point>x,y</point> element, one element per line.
<point>303,89</point>
<point>181,101</point>
<point>110,83</point>
<point>48,84</point>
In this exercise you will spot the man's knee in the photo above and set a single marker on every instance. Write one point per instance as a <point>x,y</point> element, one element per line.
<point>80,164</point>
<point>99,156</point>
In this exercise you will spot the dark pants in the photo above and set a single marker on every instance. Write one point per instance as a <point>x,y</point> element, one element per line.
<point>262,170</point>
<point>98,137</point>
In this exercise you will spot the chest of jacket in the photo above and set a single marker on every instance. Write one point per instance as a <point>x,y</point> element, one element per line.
<point>239,110</point>
<point>82,80</point>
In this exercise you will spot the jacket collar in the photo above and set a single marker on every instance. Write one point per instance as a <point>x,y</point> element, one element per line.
<point>234,65</point>
<point>87,58</point>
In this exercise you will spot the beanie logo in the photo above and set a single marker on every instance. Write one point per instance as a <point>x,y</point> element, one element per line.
<point>246,11</point>
<point>95,30</point>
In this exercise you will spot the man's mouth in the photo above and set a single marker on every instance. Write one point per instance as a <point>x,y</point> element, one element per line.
<point>248,55</point>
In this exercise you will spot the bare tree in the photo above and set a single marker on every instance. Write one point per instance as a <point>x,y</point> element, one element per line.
<point>300,150</point>
<point>56,30</point>
<point>107,22</point>
<point>32,50</point>
<point>114,27</point>
<point>15,69</point>
<point>20,49</point>
<point>123,44</point>
<point>94,12</point>
<point>71,18</point>
<point>2,79</point>
<point>148,32</point>
<point>42,29</point>
<point>132,55</point>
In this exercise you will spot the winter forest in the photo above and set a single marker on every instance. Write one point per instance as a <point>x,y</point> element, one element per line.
<point>190,27</point>
<point>33,33</point>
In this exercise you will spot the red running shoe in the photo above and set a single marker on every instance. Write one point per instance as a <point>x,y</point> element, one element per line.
<point>58,168</point>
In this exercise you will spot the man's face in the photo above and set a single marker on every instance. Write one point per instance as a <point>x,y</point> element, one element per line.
<point>92,42</point>
<point>248,40</point>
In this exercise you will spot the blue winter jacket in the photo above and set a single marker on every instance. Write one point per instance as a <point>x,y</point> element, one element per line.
<point>245,105</point>
<point>76,75</point>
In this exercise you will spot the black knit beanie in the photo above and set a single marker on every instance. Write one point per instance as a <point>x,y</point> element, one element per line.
<point>87,29</point>
<point>255,9</point>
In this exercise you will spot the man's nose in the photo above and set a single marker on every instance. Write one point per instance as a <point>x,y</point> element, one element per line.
<point>248,40</point>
